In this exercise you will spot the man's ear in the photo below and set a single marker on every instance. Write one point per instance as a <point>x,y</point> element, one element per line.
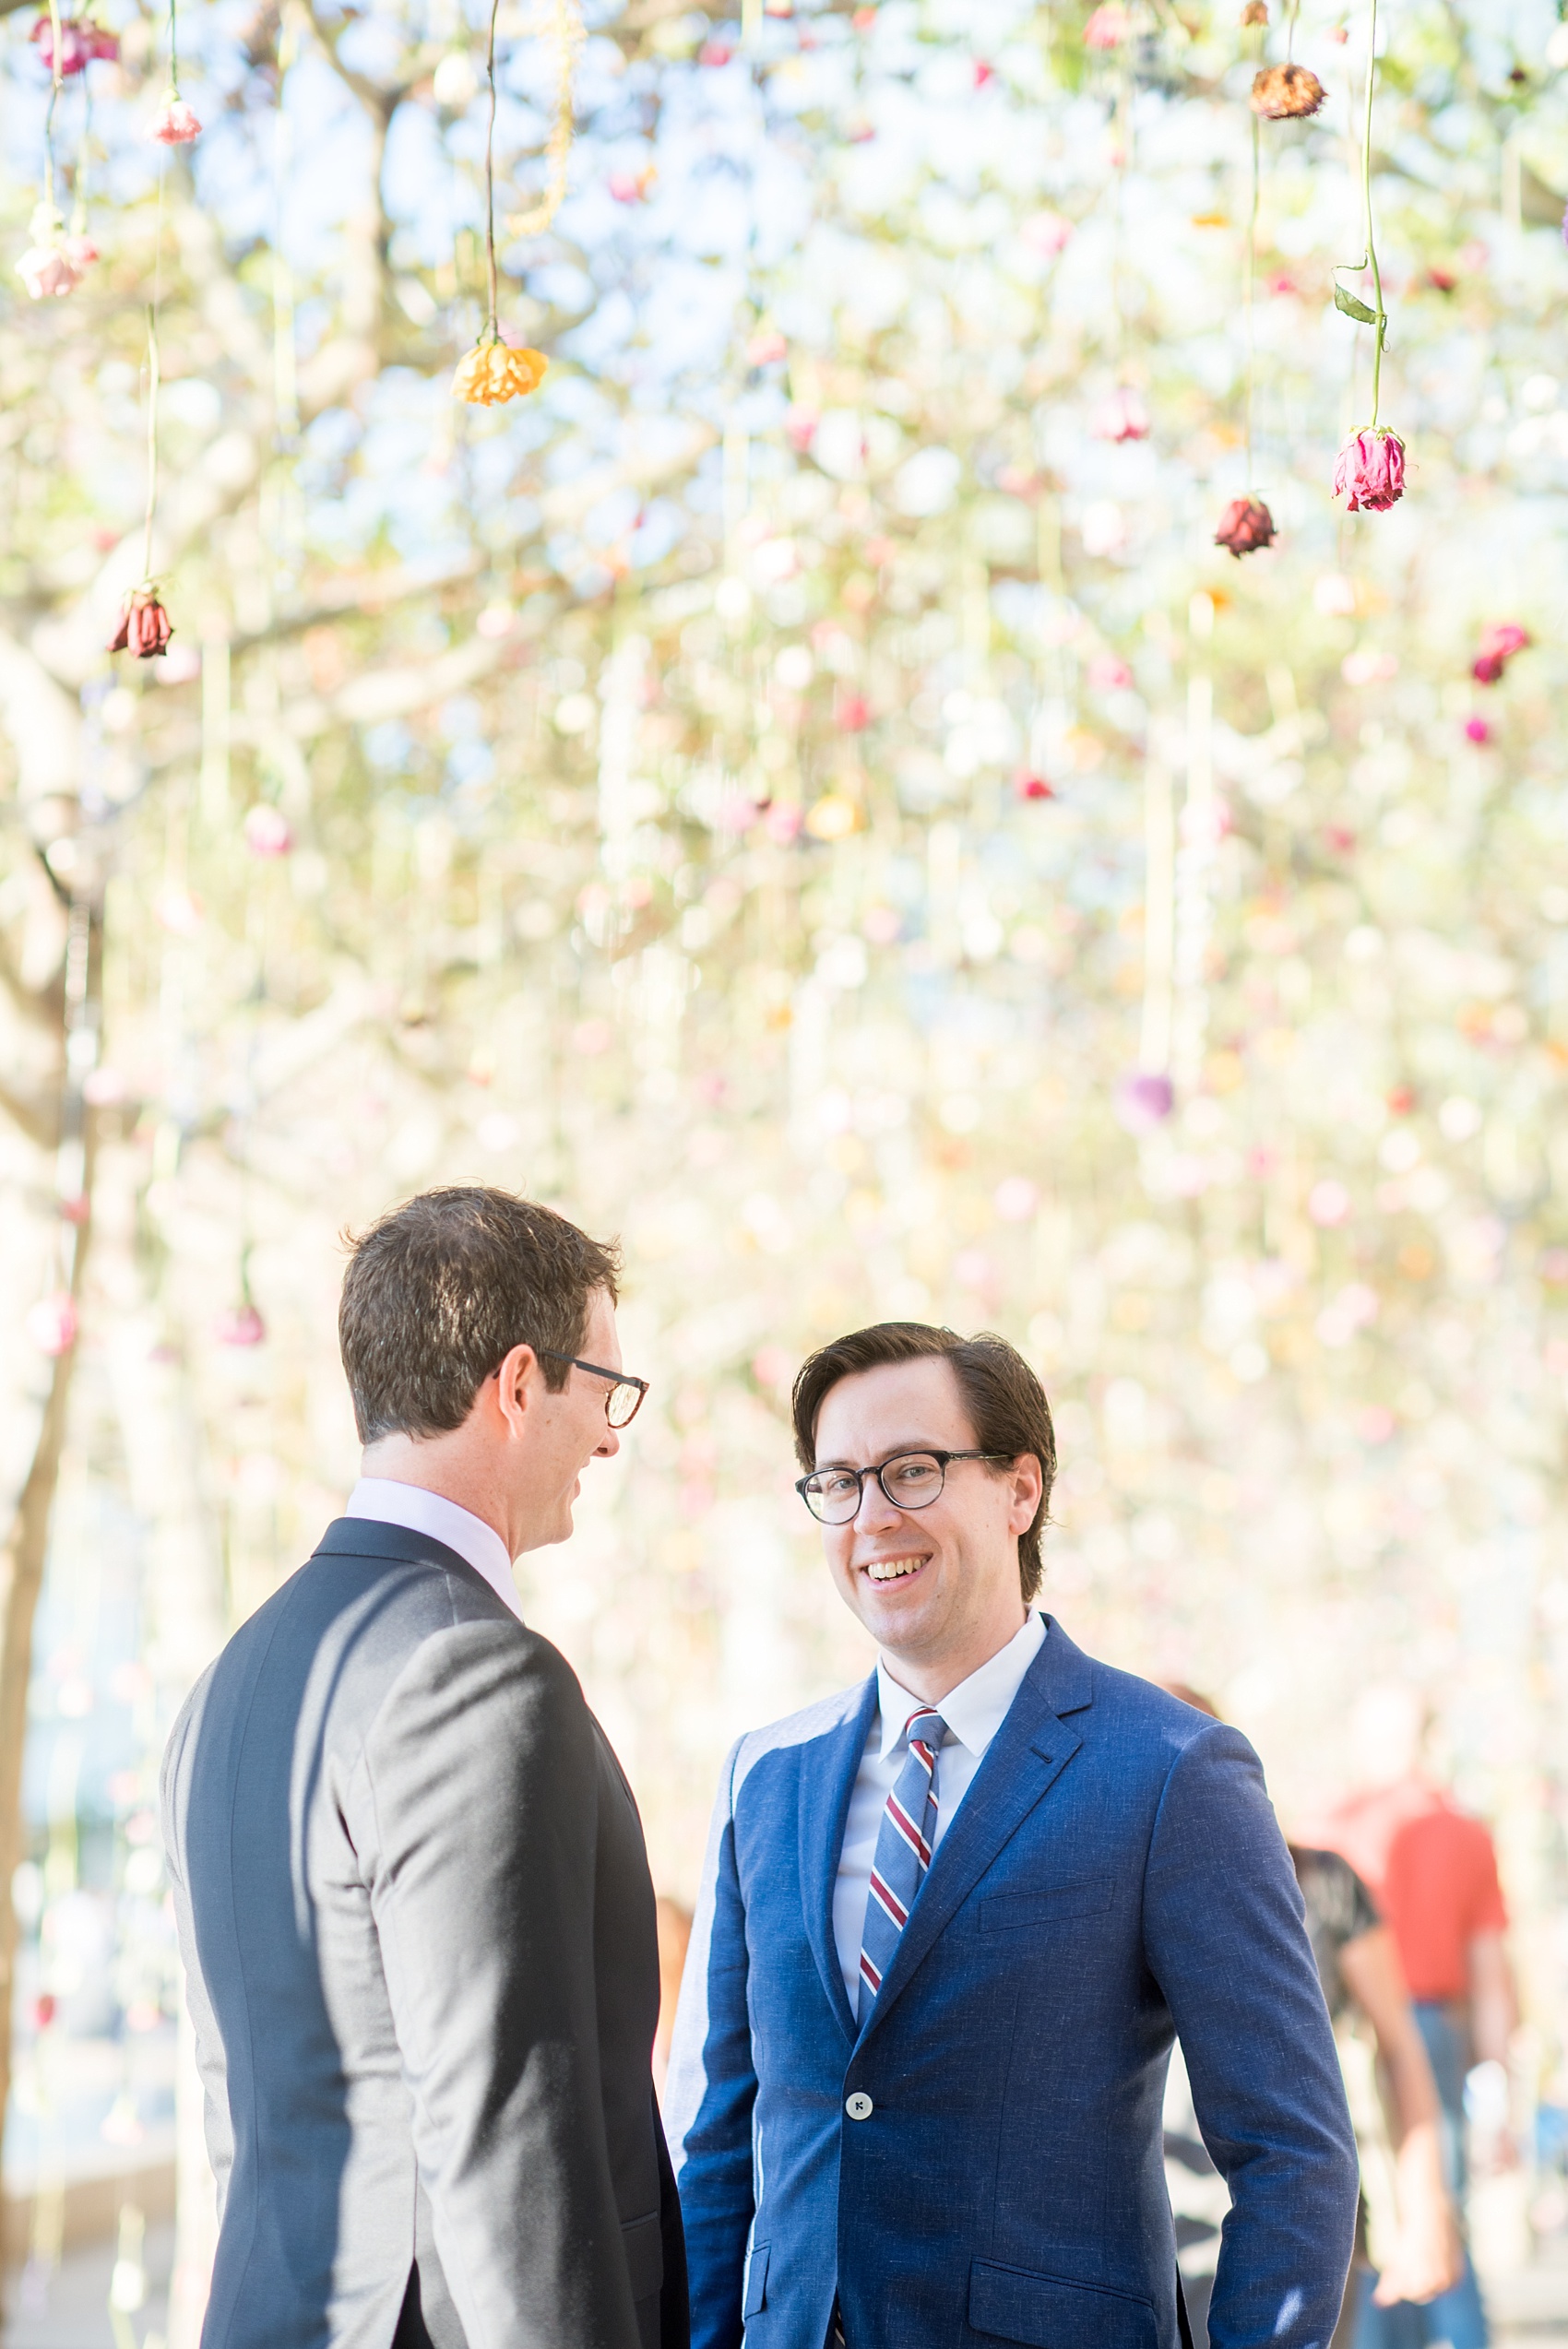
<point>516,1380</point>
<point>1027,1484</point>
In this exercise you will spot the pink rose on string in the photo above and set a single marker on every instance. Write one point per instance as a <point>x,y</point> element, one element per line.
<point>267,831</point>
<point>1499,643</point>
<point>242,1325</point>
<point>1122,416</point>
<point>81,43</point>
<point>176,125</point>
<point>1370,471</point>
<point>1107,28</point>
<point>45,269</point>
<point>1144,1100</point>
<point>52,1324</point>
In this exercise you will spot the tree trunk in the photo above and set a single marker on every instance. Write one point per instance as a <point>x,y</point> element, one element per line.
<point>27,1537</point>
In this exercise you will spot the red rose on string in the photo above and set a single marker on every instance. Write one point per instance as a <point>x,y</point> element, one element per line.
<point>1245,525</point>
<point>145,627</point>
<point>1370,471</point>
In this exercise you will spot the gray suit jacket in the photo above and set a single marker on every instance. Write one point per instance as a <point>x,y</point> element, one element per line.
<point>418,1926</point>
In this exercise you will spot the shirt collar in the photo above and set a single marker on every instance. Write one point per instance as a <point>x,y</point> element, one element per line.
<point>421,1512</point>
<point>975,1709</point>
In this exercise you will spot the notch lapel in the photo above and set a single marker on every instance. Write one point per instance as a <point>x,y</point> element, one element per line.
<point>828,1766</point>
<point>1021,1764</point>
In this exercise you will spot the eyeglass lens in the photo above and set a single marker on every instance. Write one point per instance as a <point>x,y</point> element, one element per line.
<point>622,1408</point>
<point>912,1482</point>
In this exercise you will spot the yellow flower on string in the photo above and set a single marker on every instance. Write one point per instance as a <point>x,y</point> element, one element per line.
<point>494,371</point>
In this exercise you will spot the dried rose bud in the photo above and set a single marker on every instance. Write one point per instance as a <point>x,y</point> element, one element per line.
<point>1254,12</point>
<point>1143,1100</point>
<point>48,269</point>
<point>80,42</point>
<point>1107,28</point>
<point>145,627</point>
<point>1370,471</point>
<point>176,125</point>
<point>1122,416</point>
<point>1245,525</point>
<point>1280,93</point>
<point>494,371</point>
<point>1498,646</point>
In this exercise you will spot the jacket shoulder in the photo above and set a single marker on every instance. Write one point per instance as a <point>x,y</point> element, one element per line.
<point>828,1716</point>
<point>1131,1710</point>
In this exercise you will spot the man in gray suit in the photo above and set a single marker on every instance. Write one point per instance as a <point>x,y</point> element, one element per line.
<point>413,1900</point>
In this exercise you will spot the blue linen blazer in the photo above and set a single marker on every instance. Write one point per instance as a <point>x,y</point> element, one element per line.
<point>1115,1877</point>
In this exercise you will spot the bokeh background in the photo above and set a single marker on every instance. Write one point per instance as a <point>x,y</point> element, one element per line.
<point>801,791</point>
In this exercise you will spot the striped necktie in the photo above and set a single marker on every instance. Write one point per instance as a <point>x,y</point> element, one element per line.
<point>904,1845</point>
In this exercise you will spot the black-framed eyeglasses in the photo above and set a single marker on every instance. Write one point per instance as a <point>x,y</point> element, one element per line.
<point>624,1399</point>
<point>908,1480</point>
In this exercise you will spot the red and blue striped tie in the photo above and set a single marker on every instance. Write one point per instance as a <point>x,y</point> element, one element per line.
<point>904,1845</point>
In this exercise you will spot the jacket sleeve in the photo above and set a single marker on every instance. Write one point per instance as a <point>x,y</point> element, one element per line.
<point>711,2088</point>
<point>1224,1934</point>
<point>473,1809</point>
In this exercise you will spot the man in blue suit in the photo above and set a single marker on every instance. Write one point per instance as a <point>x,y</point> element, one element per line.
<point>951,1921</point>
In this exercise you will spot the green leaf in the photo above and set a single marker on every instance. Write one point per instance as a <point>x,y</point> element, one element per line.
<point>1354,307</point>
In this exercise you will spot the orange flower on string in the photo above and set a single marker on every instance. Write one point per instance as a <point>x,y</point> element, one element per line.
<point>145,627</point>
<point>1281,93</point>
<point>494,372</point>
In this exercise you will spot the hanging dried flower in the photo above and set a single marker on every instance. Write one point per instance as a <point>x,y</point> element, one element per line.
<point>1122,416</point>
<point>46,268</point>
<point>1245,525</point>
<point>494,372</point>
<point>145,627</point>
<point>267,831</point>
<point>52,1324</point>
<point>242,1325</point>
<point>1027,786</point>
<point>80,42</point>
<point>1370,470</point>
<point>1498,646</point>
<point>1144,1100</point>
<point>1107,28</point>
<point>1254,12</point>
<point>176,125</point>
<point>1281,93</point>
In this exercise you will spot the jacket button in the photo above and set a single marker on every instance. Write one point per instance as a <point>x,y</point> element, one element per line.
<point>858,2106</point>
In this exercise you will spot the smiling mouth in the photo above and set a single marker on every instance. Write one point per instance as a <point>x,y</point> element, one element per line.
<point>892,1570</point>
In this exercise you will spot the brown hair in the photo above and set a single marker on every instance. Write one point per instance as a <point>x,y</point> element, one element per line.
<point>440,1290</point>
<point>1005,1400</point>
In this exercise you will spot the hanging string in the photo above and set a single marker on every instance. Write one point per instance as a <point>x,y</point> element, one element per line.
<point>1380,327</point>
<point>493,328</point>
<point>55,85</point>
<point>152,381</point>
<point>1248,303</point>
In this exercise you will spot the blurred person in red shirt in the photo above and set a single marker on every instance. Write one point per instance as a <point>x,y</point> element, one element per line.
<point>1433,1874</point>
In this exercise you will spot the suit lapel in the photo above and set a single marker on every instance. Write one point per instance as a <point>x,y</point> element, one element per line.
<point>828,1766</point>
<point>1021,1764</point>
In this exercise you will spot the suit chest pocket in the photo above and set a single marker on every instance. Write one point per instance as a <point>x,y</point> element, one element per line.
<point>1045,1905</point>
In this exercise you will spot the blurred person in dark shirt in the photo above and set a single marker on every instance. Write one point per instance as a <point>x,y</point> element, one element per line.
<point>1359,1968</point>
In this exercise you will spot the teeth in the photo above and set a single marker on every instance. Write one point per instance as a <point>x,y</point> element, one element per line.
<point>890,1570</point>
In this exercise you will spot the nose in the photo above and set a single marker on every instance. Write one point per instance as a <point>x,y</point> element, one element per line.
<point>609,1444</point>
<point>876,1509</point>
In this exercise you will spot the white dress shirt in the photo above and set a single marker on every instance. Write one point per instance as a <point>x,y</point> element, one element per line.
<point>391,1504</point>
<point>974,1712</point>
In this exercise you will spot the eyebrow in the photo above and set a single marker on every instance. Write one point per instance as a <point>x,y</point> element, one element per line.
<point>920,1444</point>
